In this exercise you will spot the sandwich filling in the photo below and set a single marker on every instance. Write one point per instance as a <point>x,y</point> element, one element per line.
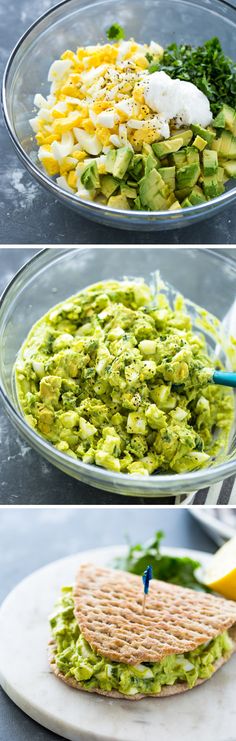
<point>116,377</point>
<point>75,659</point>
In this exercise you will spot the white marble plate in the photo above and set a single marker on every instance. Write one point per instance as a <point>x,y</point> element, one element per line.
<point>207,712</point>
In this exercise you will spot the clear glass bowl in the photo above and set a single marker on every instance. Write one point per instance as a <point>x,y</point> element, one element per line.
<point>73,23</point>
<point>51,276</point>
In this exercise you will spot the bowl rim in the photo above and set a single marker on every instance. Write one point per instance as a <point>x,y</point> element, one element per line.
<point>85,206</point>
<point>193,480</point>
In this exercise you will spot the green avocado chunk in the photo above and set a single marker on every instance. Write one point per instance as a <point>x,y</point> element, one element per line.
<point>123,157</point>
<point>226,119</point>
<point>182,193</point>
<point>196,196</point>
<point>168,175</point>
<point>151,189</point>
<point>212,187</point>
<point>75,658</point>
<point>127,191</point>
<point>225,145</point>
<point>192,155</point>
<point>187,176</point>
<point>161,149</point>
<point>230,168</point>
<point>178,159</point>
<point>206,134</point>
<point>185,134</point>
<point>210,162</point>
<point>90,177</point>
<point>119,201</point>
<point>108,185</point>
<point>186,203</point>
<point>199,143</point>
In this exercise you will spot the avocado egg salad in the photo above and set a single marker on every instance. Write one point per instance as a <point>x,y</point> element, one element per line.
<point>102,640</point>
<point>134,126</point>
<point>117,377</point>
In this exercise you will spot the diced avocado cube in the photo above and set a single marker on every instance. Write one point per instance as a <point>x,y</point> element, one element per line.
<point>90,177</point>
<point>221,175</point>
<point>119,201</point>
<point>199,143</point>
<point>168,175</point>
<point>147,150</point>
<point>110,160</point>
<point>150,163</point>
<point>178,158</point>
<point>230,168</point>
<point>206,134</point>
<point>225,145</point>
<point>185,134</point>
<point>136,167</point>
<point>226,119</point>
<point>164,190</point>
<point>211,186</point>
<point>187,176</point>
<point>181,193</point>
<point>108,185</point>
<point>137,204</point>
<point>161,149</point>
<point>210,162</point>
<point>127,191</point>
<point>196,196</point>
<point>123,158</point>
<point>192,155</point>
<point>150,191</point>
<point>175,206</point>
<point>170,199</point>
<point>186,203</point>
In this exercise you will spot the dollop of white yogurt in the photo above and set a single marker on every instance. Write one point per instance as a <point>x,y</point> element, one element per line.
<point>176,99</point>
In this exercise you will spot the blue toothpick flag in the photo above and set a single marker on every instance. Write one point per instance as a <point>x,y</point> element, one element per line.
<point>146,578</point>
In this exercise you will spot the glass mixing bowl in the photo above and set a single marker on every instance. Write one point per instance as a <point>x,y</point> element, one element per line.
<point>52,276</point>
<point>80,22</point>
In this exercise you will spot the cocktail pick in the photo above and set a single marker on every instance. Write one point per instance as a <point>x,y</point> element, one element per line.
<point>146,578</point>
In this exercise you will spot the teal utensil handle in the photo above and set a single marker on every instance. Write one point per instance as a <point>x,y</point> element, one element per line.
<point>224,378</point>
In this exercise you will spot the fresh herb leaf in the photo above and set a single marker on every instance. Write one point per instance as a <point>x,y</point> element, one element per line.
<point>172,569</point>
<point>205,66</point>
<point>115,32</point>
<point>149,57</point>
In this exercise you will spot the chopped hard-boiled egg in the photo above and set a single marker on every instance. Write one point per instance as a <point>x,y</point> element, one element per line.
<point>91,104</point>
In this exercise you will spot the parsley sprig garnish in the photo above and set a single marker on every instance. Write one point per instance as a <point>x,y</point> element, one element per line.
<point>115,32</point>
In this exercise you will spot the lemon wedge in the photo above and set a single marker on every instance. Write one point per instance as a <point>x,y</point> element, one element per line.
<point>220,575</point>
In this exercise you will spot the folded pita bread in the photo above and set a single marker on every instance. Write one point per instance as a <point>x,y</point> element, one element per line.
<point>109,612</point>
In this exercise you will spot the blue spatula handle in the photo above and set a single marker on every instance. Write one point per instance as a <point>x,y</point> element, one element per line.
<point>224,378</point>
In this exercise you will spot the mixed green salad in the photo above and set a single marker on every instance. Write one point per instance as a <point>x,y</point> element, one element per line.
<point>178,570</point>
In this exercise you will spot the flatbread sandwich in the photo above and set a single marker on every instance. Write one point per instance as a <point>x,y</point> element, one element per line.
<point>104,641</point>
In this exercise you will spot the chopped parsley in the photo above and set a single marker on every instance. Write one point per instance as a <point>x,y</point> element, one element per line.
<point>115,32</point>
<point>205,66</point>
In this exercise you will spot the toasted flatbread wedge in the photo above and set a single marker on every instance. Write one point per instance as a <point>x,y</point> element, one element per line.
<point>108,607</point>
